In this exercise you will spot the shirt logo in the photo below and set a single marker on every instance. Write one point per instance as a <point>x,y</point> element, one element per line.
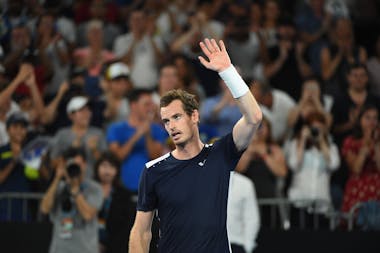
<point>202,163</point>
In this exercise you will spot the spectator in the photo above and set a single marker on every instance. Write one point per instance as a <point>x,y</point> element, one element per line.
<point>271,15</point>
<point>117,87</point>
<point>94,55</point>
<point>243,218</point>
<point>79,134</point>
<point>136,139</point>
<point>311,156</point>
<point>72,202</point>
<point>244,46</point>
<point>276,106</point>
<point>110,30</point>
<point>286,60</point>
<point>140,49</point>
<point>373,66</point>
<point>311,100</point>
<point>8,106</point>
<point>12,177</point>
<point>117,213</point>
<point>313,24</point>
<point>53,49</point>
<point>338,55</point>
<point>264,163</point>
<point>221,111</point>
<point>361,152</point>
<point>348,104</point>
<point>187,77</point>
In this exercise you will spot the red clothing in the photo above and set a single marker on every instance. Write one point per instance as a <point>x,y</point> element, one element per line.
<point>364,186</point>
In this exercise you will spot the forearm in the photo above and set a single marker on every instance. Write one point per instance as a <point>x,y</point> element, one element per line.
<point>249,108</point>
<point>329,68</point>
<point>85,210</point>
<point>272,68</point>
<point>154,148</point>
<point>48,199</point>
<point>277,167</point>
<point>37,99</point>
<point>123,151</point>
<point>4,173</point>
<point>7,93</point>
<point>139,242</point>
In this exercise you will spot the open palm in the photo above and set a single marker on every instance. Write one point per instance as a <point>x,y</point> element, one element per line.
<point>218,58</point>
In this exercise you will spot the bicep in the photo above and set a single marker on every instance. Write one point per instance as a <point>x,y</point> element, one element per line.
<point>242,134</point>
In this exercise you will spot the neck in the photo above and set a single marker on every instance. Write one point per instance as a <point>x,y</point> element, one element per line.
<point>107,187</point>
<point>78,129</point>
<point>188,150</point>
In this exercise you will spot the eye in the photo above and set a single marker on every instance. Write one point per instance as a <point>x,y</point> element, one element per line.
<point>177,117</point>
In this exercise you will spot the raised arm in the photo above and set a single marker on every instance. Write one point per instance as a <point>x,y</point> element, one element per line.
<point>219,60</point>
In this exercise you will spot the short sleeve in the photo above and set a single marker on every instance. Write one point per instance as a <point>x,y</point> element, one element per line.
<point>112,134</point>
<point>147,198</point>
<point>230,153</point>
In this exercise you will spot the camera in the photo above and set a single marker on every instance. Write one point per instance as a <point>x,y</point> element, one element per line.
<point>73,169</point>
<point>314,132</point>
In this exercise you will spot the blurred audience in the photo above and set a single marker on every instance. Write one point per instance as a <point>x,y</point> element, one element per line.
<point>72,202</point>
<point>116,216</point>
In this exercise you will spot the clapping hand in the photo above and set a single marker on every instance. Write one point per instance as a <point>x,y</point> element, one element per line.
<point>218,58</point>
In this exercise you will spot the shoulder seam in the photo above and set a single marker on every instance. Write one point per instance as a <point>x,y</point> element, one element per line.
<point>153,162</point>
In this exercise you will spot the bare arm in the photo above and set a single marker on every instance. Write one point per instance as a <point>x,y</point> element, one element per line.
<point>328,65</point>
<point>219,61</point>
<point>4,173</point>
<point>141,234</point>
<point>47,201</point>
<point>24,72</point>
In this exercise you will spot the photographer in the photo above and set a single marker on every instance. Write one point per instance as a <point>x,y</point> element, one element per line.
<point>72,203</point>
<point>311,156</point>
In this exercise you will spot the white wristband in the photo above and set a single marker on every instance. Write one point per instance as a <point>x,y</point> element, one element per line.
<point>234,82</point>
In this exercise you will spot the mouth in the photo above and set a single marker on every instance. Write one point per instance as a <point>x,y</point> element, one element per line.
<point>175,135</point>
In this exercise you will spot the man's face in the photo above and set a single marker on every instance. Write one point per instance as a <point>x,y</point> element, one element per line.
<point>81,117</point>
<point>144,106</point>
<point>119,86</point>
<point>17,132</point>
<point>180,126</point>
<point>168,78</point>
<point>358,78</point>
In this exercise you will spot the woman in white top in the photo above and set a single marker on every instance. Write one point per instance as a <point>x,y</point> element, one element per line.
<point>312,156</point>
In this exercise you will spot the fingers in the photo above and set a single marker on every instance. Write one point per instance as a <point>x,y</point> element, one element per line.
<point>203,61</point>
<point>222,46</point>
<point>205,50</point>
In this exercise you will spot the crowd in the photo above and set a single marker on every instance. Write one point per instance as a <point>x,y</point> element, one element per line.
<point>80,84</point>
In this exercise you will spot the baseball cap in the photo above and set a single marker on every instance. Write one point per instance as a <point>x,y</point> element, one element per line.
<point>117,70</point>
<point>76,103</point>
<point>17,118</point>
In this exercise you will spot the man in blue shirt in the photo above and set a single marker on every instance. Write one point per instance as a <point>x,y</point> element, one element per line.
<point>189,186</point>
<point>136,140</point>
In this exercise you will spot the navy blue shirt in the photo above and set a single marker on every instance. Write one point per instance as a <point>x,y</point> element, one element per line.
<point>191,198</point>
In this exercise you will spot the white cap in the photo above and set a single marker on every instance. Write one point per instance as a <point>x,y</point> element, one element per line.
<point>76,103</point>
<point>116,70</point>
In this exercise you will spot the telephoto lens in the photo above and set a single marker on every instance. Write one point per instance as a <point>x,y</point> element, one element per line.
<point>73,169</point>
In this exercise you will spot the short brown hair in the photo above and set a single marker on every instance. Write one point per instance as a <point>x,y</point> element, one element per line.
<point>189,103</point>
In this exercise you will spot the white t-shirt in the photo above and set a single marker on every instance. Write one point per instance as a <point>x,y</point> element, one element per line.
<point>144,69</point>
<point>278,114</point>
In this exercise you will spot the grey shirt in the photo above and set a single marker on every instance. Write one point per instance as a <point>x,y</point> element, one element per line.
<point>83,236</point>
<point>66,138</point>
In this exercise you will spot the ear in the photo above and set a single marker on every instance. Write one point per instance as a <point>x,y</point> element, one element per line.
<point>195,116</point>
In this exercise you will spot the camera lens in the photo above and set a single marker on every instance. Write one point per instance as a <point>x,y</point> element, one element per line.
<point>73,170</point>
<point>314,132</point>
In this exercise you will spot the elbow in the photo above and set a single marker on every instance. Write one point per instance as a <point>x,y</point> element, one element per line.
<point>89,216</point>
<point>256,117</point>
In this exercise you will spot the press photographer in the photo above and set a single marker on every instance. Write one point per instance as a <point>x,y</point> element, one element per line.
<point>312,157</point>
<point>72,202</point>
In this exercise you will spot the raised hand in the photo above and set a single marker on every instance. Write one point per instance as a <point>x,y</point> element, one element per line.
<point>218,58</point>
